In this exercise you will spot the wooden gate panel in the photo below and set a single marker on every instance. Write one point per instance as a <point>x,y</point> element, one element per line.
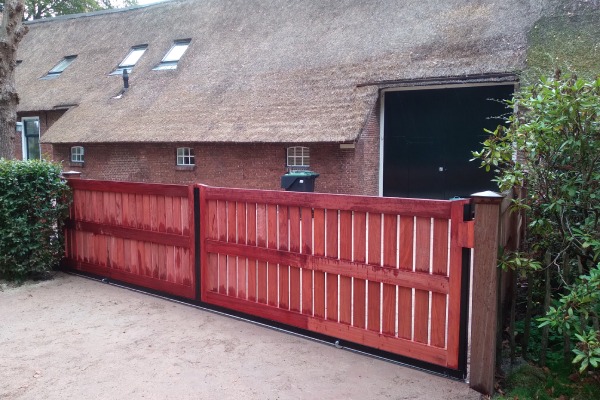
<point>344,266</point>
<point>133,232</point>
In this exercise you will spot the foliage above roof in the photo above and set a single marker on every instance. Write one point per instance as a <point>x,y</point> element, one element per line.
<point>36,9</point>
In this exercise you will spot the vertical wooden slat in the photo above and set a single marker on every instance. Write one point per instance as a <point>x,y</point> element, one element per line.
<point>406,263</point>
<point>187,267</point>
<point>145,212</point>
<point>345,254</point>
<point>112,215</point>
<point>186,223</point>
<point>272,281</point>
<point>307,275</point>
<point>177,216</point>
<point>126,255</point>
<point>169,214</point>
<point>261,241</point>
<point>374,287</point>
<point>125,210</point>
<point>319,250</point>
<point>155,261</point>
<point>294,216</point>
<point>89,211</point>
<point>284,275</point>
<point>209,224</point>
<point>222,229</point>
<point>120,244</point>
<point>154,213</point>
<point>231,238</point>
<point>440,267</point>
<point>242,261</point>
<point>139,211</point>
<point>162,262</point>
<point>162,250</point>
<point>251,240</point>
<point>359,285</point>
<point>133,249</point>
<point>191,243</point>
<point>422,246</point>
<point>161,213</point>
<point>390,240</point>
<point>331,250</point>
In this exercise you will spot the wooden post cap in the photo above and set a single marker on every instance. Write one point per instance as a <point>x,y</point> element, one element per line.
<point>487,197</point>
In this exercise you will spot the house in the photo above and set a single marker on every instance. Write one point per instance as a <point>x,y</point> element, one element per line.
<point>378,97</point>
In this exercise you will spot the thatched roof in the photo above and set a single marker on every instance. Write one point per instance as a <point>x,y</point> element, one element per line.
<point>258,71</point>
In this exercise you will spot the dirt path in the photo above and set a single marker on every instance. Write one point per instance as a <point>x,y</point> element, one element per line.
<point>72,338</point>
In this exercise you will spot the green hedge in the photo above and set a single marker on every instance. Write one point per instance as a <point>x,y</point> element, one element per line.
<point>34,203</point>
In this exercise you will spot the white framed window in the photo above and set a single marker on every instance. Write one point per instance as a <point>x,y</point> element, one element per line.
<point>59,68</point>
<point>130,59</point>
<point>30,138</point>
<point>173,56</point>
<point>298,157</point>
<point>185,156</point>
<point>77,153</point>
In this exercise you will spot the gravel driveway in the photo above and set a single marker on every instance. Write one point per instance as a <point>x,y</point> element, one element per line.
<point>74,338</point>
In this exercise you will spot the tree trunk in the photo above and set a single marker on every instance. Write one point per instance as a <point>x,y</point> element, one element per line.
<point>528,314</point>
<point>513,311</point>
<point>545,329</point>
<point>12,31</point>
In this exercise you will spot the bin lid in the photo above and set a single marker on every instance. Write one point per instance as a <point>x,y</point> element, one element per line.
<point>302,174</point>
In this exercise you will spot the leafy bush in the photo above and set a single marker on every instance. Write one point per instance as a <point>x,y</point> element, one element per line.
<point>34,203</point>
<point>552,150</point>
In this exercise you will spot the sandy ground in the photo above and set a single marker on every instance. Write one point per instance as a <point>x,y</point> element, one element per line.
<point>73,338</point>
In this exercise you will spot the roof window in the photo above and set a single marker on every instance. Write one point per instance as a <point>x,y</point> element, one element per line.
<point>130,60</point>
<point>59,68</point>
<point>172,57</point>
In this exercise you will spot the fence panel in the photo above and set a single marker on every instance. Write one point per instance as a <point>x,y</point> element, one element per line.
<point>133,232</point>
<point>381,272</point>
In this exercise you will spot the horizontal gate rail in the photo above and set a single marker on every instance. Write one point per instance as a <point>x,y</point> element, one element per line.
<point>381,272</point>
<point>133,232</point>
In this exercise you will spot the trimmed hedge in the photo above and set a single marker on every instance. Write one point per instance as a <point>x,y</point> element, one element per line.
<point>34,203</point>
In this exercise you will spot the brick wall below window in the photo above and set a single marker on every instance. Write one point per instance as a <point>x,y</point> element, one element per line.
<point>256,166</point>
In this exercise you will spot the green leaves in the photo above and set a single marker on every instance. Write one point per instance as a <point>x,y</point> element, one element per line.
<point>34,203</point>
<point>552,150</point>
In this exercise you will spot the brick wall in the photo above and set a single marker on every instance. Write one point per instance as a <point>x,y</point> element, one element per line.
<point>367,155</point>
<point>257,166</point>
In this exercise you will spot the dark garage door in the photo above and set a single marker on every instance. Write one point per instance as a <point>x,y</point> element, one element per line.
<point>429,135</point>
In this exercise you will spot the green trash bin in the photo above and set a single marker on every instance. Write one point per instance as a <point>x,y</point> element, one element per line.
<point>299,181</point>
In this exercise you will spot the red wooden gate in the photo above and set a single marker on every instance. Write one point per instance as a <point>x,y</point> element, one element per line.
<point>133,232</point>
<point>380,272</point>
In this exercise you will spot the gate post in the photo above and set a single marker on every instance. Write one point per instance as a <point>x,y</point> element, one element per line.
<point>485,291</point>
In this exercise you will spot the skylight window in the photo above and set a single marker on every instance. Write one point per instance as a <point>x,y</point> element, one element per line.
<point>130,60</point>
<point>59,68</point>
<point>172,57</point>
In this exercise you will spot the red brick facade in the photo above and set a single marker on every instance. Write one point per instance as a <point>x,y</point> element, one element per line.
<point>258,165</point>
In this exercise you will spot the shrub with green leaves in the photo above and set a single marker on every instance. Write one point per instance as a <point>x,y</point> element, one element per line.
<point>551,149</point>
<point>34,203</point>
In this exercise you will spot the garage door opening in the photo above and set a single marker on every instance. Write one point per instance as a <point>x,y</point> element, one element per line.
<point>429,135</point>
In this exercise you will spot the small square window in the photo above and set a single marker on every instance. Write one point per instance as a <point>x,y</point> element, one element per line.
<point>130,59</point>
<point>173,56</point>
<point>185,156</point>
<point>298,157</point>
<point>59,68</point>
<point>77,154</point>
